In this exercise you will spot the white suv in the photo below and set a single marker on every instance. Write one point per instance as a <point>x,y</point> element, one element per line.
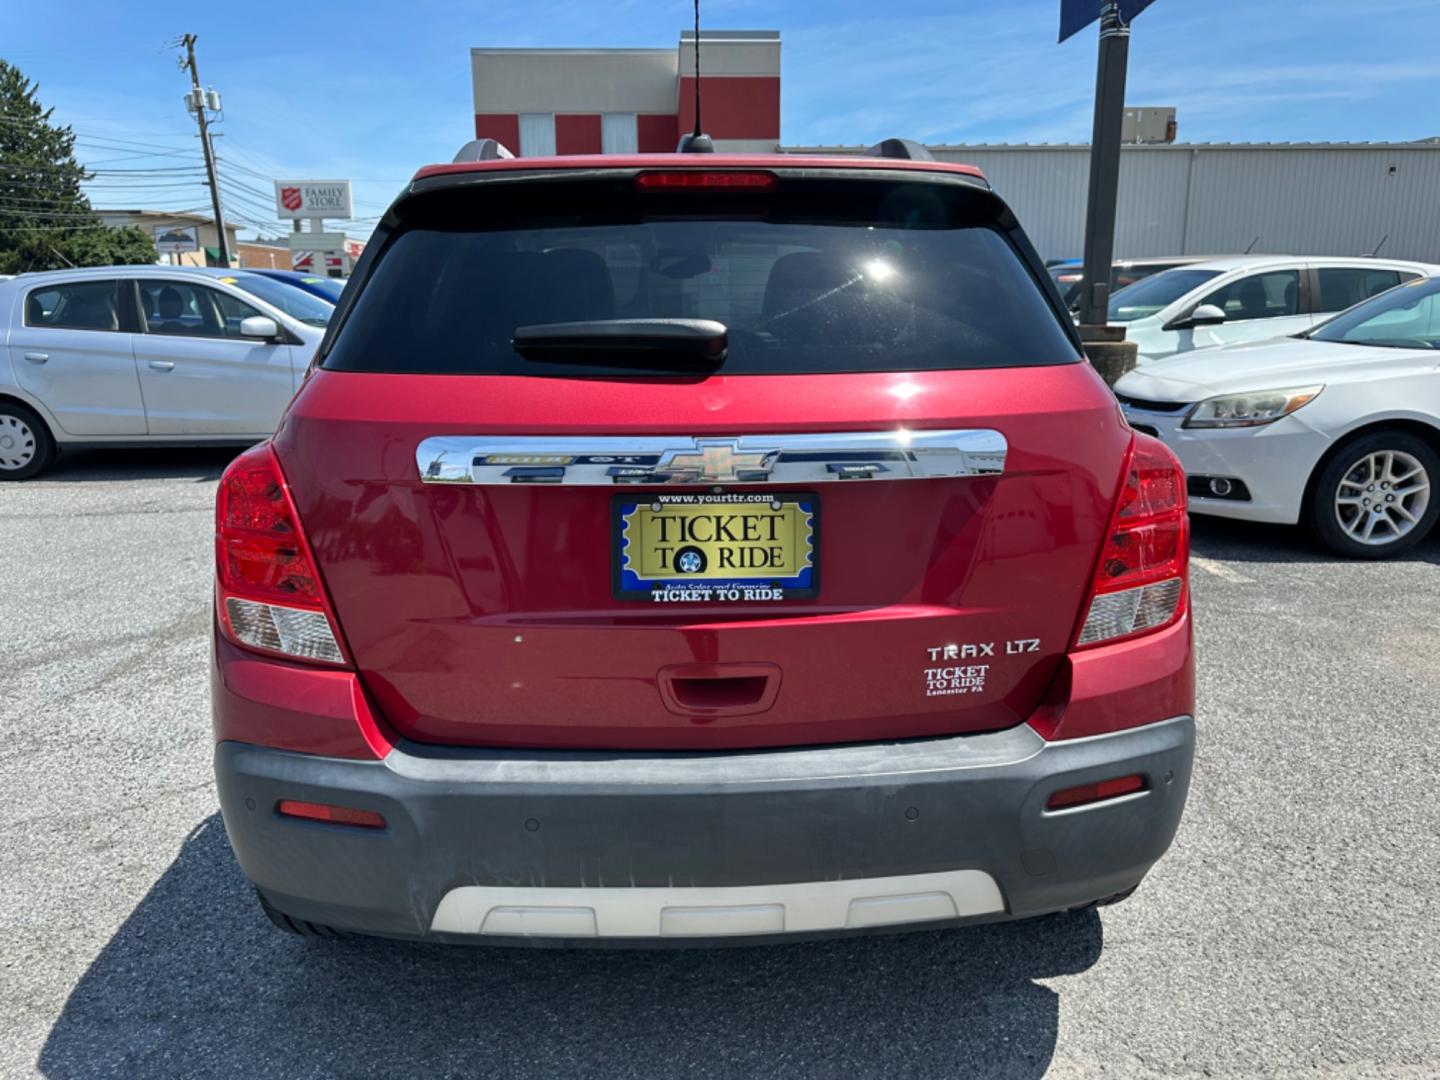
<point>125,355</point>
<point>1248,298</point>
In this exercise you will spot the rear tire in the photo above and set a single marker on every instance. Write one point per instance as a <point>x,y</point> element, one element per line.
<point>1118,898</point>
<point>298,927</point>
<point>26,445</point>
<point>1377,496</point>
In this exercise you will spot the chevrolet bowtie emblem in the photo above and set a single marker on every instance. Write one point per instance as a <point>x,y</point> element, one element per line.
<point>719,461</point>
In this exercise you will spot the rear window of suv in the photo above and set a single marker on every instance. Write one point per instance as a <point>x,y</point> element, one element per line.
<point>817,275</point>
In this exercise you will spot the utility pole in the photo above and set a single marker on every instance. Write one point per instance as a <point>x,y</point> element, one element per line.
<point>197,102</point>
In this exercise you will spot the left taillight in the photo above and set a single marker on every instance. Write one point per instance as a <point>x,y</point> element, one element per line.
<point>1141,580</point>
<point>267,588</point>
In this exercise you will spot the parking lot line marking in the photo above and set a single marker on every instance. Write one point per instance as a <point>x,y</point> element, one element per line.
<point>1220,570</point>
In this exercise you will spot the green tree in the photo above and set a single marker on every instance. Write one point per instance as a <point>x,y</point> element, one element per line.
<point>45,219</point>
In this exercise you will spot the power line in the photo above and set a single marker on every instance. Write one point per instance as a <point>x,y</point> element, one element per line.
<point>111,179</point>
<point>138,150</point>
<point>235,166</point>
<point>16,166</point>
<point>8,200</point>
<point>241,185</point>
<point>52,228</point>
<point>139,155</point>
<point>101,136</point>
<point>45,215</point>
<point>250,201</point>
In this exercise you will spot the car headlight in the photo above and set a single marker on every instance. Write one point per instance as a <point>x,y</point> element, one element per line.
<point>1249,410</point>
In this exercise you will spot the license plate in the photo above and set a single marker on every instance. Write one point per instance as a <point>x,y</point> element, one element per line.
<point>731,547</point>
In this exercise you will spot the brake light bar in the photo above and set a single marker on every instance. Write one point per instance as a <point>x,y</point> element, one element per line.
<point>1139,584</point>
<point>1085,794</point>
<point>697,179</point>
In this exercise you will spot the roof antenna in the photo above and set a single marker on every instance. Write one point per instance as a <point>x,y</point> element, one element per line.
<point>697,142</point>
<point>1379,245</point>
<point>1251,247</point>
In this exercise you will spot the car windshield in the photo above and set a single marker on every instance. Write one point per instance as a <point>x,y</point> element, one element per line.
<point>1406,317</point>
<point>1124,276</point>
<point>291,299</point>
<point>1068,279</point>
<point>1151,294</point>
<point>329,286</point>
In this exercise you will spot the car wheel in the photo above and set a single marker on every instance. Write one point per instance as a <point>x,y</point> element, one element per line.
<point>26,445</point>
<point>1118,898</point>
<point>1376,496</point>
<point>298,927</point>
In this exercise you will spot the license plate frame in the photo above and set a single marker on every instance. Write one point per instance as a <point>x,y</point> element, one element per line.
<point>798,513</point>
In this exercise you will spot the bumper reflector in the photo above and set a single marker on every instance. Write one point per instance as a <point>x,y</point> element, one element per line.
<point>1097,792</point>
<point>296,632</point>
<point>1129,611</point>
<point>335,815</point>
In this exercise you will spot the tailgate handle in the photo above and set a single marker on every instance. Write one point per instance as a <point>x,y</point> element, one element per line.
<point>714,690</point>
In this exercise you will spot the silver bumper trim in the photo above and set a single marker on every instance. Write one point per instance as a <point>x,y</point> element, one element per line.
<point>683,912</point>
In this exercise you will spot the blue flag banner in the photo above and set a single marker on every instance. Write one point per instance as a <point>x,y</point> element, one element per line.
<point>1075,15</point>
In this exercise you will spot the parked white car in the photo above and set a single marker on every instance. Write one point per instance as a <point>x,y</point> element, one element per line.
<point>130,355</point>
<point>1247,298</point>
<point>1339,429</point>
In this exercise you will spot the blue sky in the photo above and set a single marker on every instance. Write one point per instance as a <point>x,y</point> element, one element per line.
<point>369,90</point>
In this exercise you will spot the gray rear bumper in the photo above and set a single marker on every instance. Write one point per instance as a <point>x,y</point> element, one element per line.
<point>530,824</point>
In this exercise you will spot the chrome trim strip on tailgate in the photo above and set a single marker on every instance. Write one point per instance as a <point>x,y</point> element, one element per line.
<point>605,461</point>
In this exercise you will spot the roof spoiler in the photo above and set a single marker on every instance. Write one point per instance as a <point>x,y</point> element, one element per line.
<point>483,150</point>
<point>907,149</point>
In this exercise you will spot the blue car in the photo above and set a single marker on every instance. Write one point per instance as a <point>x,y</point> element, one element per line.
<point>289,296</point>
<point>327,288</point>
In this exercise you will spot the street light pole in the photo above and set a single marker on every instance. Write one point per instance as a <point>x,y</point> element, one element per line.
<point>1104,165</point>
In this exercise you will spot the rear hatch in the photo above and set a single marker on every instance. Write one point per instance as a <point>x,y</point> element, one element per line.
<point>876,517</point>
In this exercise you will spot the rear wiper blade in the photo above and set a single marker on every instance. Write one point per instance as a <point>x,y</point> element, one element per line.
<point>624,342</point>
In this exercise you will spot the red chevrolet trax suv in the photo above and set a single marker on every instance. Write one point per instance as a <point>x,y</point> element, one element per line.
<point>692,547</point>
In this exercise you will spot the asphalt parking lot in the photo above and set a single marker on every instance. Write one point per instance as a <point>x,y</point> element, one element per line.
<point>1292,930</point>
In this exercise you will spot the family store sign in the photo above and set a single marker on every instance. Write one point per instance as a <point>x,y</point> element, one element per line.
<point>312,198</point>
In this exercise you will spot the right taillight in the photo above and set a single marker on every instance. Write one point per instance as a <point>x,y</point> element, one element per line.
<point>1140,581</point>
<point>267,588</point>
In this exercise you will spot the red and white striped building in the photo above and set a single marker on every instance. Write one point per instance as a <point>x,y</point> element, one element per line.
<point>622,101</point>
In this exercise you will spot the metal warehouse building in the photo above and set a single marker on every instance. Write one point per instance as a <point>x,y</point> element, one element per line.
<point>1220,199</point>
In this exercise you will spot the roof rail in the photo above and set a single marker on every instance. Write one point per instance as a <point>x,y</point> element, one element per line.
<point>899,148</point>
<point>483,150</point>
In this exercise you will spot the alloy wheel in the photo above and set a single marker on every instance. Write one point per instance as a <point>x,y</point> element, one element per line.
<point>1382,497</point>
